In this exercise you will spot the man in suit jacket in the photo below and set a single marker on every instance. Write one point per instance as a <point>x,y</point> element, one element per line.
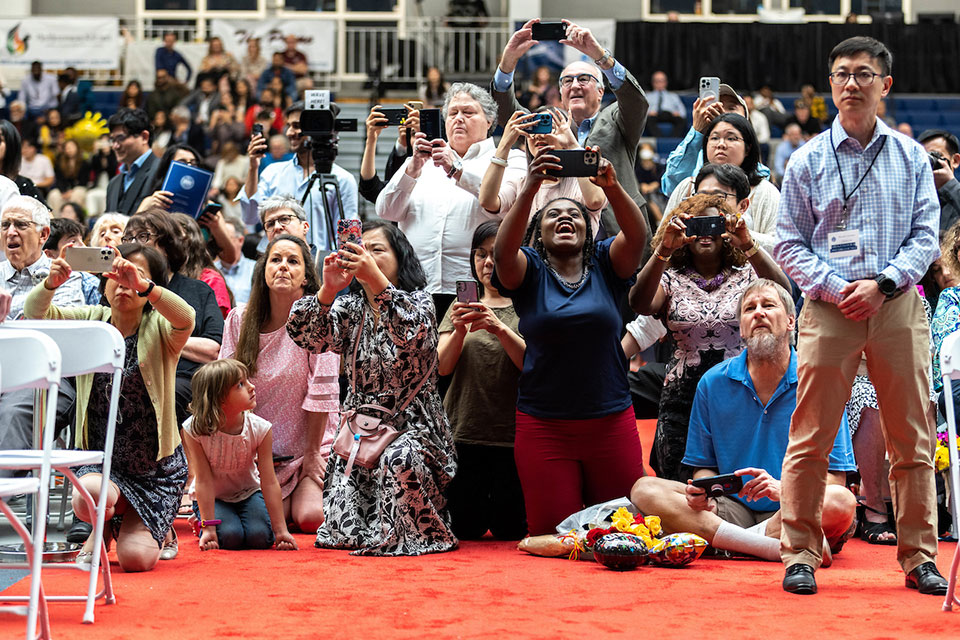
<point>130,139</point>
<point>616,128</point>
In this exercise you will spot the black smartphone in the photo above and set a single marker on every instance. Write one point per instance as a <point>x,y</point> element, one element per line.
<point>468,291</point>
<point>579,163</point>
<point>431,124</point>
<point>722,485</point>
<point>396,116</point>
<point>549,31</point>
<point>544,123</point>
<point>212,207</point>
<point>705,226</point>
<point>257,129</point>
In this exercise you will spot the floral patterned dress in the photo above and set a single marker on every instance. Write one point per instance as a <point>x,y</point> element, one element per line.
<point>152,487</point>
<point>703,321</point>
<point>399,507</point>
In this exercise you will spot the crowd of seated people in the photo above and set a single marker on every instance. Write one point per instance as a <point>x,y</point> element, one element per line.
<point>511,408</point>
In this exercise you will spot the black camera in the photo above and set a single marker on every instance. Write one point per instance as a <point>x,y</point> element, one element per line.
<point>937,160</point>
<point>320,127</point>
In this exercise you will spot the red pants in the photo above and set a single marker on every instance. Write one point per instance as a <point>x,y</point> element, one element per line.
<point>565,465</point>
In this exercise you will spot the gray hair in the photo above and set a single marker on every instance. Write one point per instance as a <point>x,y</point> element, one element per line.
<point>785,298</point>
<point>283,201</point>
<point>764,283</point>
<point>481,95</point>
<point>106,218</point>
<point>180,111</point>
<point>38,212</point>
<point>239,230</point>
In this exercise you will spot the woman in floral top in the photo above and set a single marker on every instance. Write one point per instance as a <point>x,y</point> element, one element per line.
<point>694,285</point>
<point>386,331</point>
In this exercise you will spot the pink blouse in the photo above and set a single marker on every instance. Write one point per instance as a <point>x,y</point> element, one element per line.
<point>290,382</point>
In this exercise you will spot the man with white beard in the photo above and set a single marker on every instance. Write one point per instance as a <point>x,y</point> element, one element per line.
<point>740,425</point>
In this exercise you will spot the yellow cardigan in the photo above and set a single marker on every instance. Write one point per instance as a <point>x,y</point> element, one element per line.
<point>158,350</point>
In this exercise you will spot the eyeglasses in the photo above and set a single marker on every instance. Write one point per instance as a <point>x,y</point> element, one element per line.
<point>862,78</point>
<point>118,139</point>
<point>282,221</point>
<point>20,225</point>
<point>583,79</point>
<point>729,139</point>
<point>140,238</point>
<point>717,193</point>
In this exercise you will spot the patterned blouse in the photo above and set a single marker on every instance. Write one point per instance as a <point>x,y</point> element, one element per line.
<point>703,320</point>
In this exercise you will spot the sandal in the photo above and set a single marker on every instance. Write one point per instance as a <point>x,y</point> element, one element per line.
<point>872,532</point>
<point>170,547</point>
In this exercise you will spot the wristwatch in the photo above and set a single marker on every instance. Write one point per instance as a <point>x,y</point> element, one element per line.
<point>454,168</point>
<point>887,286</point>
<point>602,60</point>
<point>146,292</point>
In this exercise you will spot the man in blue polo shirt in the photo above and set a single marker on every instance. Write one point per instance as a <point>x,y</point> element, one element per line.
<point>740,424</point>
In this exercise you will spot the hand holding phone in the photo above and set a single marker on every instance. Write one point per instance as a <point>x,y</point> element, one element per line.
<point>90,259</point>
<point>548,31</point>
<point>430,124</point>
<point>705,226</point>
<point>348,230</point>
<point>709,89</point>
<point>468,291</point>
<point>579,163</point>
<point>722,485</point>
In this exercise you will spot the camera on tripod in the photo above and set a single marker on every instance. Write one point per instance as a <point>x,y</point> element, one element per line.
<point>321,127</point>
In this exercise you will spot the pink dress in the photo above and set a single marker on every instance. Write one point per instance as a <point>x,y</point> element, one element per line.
<point>290,382</point>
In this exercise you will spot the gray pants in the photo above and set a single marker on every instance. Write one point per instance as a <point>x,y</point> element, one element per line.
<point>16,418</point>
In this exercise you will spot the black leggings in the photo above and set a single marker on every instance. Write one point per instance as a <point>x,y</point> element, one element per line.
<point>485,494</point>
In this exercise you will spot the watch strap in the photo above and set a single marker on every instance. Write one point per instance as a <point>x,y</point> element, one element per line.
<point>146,292</point>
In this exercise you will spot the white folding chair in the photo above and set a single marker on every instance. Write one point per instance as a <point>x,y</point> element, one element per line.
<point>86,347</point>
<point>950,370</point>
<point>31,360</point>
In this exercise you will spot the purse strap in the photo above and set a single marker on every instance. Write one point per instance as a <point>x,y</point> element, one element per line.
<point>353,371</point>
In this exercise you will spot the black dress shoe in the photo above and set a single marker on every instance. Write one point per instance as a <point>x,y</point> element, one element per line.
<point>79,532</point>
<point>926,579</point>
<point>799,579</point>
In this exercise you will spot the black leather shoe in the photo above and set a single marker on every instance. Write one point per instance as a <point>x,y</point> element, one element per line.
<point>926,579</point>
<point>799,579</point>
<point>79,532</point>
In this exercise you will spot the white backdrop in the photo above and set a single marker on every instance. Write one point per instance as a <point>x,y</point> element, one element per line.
<point>317,38</point>
<point>84,43</point>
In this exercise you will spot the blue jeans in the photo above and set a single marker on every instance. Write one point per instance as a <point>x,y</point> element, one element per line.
<point>244,524</point>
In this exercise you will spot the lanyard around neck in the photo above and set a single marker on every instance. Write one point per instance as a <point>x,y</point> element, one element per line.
<point>842,224</point>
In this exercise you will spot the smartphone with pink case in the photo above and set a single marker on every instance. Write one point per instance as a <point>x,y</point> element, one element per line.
<point>348,231</point>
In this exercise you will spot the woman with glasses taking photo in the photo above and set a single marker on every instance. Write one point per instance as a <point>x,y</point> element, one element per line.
<point>729,139</point>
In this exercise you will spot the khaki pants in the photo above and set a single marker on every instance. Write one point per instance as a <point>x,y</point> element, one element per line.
<point>896,344</point>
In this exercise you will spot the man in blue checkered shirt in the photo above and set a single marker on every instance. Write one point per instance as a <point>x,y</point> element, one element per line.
<point>858,228</point>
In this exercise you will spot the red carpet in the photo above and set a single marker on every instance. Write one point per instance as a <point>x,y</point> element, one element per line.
<point>488,589</point>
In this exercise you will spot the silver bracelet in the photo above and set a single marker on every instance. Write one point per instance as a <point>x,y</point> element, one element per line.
<point>500,162</point>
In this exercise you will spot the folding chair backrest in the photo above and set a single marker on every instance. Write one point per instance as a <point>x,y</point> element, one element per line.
<point>86,346</point>
<point>29,359</point>
<point>950,356</point>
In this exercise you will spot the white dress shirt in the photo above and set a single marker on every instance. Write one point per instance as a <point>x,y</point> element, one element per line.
<point>40,94</point>
<point>439,215</point>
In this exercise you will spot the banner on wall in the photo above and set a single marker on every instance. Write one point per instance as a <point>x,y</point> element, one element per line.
<point>84,43</point>
<point>316,38</point>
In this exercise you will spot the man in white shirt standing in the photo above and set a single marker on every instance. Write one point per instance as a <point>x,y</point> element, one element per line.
<point>434,195</point>
<point>291,178</point>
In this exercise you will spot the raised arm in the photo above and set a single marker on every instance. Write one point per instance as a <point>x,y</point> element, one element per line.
<point>647,296</point>
<point>760,260</point>
<point>627,248</point>
<point>511,264</point>
<point>489,194</point>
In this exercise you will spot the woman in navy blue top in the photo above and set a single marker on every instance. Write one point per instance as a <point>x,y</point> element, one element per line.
<point>576,438</point>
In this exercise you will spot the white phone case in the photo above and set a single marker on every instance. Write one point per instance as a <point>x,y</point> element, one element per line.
<point>92,259</point>
<point>710,88</point>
